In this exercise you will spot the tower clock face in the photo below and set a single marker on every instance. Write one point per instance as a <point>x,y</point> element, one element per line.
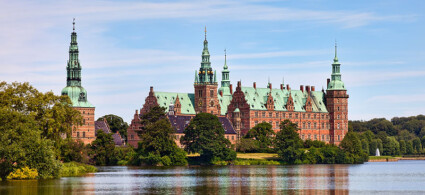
<point>200,103</point>
<point>212,103</point>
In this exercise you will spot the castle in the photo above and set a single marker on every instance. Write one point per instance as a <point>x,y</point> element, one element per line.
<point>78,95</point>
<point>320,115</point>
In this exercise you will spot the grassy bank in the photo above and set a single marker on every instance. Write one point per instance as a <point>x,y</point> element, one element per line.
<point>74,169</point>
<point>381,157</point>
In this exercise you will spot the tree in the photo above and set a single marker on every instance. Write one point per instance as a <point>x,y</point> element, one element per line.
<point>402,147</point>
<point>116,124</point>
<point>102,148</point>
<point>157,145</point>
<point>74,150</point>
<point>32,124</point>
<point>352,145</point>
<point>417,146</point>
<point>205,135</point>
<point>263,135</point>
<point>365,146</point>
<point>288,144</point>
<point>409,147</point>
<point>21,145</point>
<point>393,147</point>
<point>247,145</point>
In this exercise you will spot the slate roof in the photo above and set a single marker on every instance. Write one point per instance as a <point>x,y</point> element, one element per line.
<point>105,127</point>
<point>181,122</point>
<point>102,125</point>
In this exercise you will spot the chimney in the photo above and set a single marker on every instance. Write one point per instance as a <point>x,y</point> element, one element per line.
<point>287,87</point>
<point>307,88</point>
<point>221,93</point>
<point>281,87</point>
<point>231,89</point>
<point>327,84</point>
<point>302,88</point>
<point>137,112</point>
<point>151,89</point>
<point>239,84</point>
<point>312,88</point>
<point>270,85</point>
<point>254,85</point>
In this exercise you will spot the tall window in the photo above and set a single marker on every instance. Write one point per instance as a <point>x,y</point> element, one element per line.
<point>256,114</point>
<point>303,125</point>
<point>308,125</point>
<point>211,93</point>
<point>84,134</point>
<point>78,134</point>
<point>314,125</point>
<point>264,114</point>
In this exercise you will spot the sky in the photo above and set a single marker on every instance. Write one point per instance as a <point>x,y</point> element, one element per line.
<point>127,46</point>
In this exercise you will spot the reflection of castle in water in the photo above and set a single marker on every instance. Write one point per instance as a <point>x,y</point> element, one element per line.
<point>304,179</point>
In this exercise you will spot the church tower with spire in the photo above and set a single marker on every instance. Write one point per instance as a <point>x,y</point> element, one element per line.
<point>337,103</point>
<point>78,95</point>
<point>206,85</point>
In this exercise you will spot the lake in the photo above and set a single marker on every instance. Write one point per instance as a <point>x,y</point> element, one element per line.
<point>374,177</point>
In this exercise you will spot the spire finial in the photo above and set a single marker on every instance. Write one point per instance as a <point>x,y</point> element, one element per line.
<point>336,56</point>
<point>225,56</point>
<point>205,32</point>
<point>73,24</point>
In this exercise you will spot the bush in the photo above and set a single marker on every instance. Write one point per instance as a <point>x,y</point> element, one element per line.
<point>74,169</point>
<point>23,173</point>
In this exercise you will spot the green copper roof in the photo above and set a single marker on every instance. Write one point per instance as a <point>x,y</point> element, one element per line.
<point>257,99</point>
<point>73,89</point>
<point>187,100</point>
<point>78,96</point>
<point>237,110</point>
<point>206,75</point>
<point>336,82</point>
<point>224,102</point>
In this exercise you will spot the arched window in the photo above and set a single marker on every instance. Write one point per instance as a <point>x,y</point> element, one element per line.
<point>304,125</point>
<point>308,125</point>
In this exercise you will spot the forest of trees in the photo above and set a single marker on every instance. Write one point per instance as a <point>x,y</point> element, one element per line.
<point>400,136</point>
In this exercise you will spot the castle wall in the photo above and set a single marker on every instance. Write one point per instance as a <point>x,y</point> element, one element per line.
<point>85,132</point>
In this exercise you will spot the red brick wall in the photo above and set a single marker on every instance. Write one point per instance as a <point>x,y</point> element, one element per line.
<point>206,99</point>
<point>85,132</point>
<point>337,105</point>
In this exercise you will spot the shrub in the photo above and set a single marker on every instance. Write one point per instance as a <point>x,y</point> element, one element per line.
<point>23,173</point>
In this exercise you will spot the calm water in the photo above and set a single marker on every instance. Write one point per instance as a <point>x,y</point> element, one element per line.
<point>406,177</point>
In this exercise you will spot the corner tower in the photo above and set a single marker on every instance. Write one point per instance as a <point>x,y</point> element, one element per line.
<point>225,80</point>
<point>337,103</point>
<point>78,95</point>
<point>206,85</point>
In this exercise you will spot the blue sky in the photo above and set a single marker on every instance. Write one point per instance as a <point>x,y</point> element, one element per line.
<point>127,46</point>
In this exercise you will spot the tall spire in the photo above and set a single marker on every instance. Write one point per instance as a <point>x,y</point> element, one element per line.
<point>336,82</point>
<point>225,82</point>
<point>206,73</point>
<point>225,60</point>
<point>73,68</point>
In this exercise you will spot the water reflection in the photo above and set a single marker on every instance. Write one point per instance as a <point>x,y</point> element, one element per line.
<point>304,179</point>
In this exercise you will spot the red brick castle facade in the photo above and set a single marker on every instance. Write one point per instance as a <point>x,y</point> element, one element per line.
<point>320,115</point>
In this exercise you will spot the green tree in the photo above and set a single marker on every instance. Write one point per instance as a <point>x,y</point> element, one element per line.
<point>263,135</point>
<point>21,145</point>
<point>417,146</point>
<point>402,147</point>
<point>247,145</point>
<point>74,150</point>
<point>102,148</point>
<point>288,144</point>
<point>158,146</point>
<point>352,145</point>
<point>205,135</point>
<point>393,147</point>
<point>409,147</point>
<point>423,141</point>
<point>372,147</point>
<point>116,124</point>
<point>365,146</point>
<point>32,124</point>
